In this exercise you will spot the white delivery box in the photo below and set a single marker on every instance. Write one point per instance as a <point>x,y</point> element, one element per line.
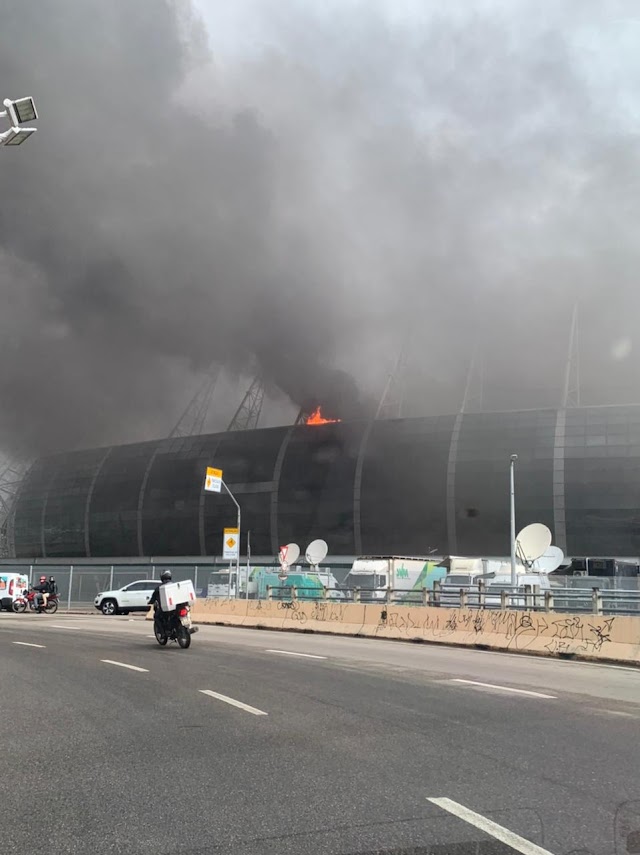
<point>176,593</point>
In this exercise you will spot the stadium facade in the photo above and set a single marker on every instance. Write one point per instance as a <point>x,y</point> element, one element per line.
<point>404,486</point>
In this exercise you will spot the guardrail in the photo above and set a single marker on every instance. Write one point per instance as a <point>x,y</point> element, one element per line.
<point>598,601</point>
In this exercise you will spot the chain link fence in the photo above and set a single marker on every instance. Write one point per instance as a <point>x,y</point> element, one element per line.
<point>79,585</point>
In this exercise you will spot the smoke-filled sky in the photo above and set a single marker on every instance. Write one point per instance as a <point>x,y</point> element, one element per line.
<point>296,187</point>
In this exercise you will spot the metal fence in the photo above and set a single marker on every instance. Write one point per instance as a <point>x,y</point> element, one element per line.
<point>79,585</point>
<point>559,598</point>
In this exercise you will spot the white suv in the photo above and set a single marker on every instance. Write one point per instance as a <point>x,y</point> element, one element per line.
<point>132,598</point>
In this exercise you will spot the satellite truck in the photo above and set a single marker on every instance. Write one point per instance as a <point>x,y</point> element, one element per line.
<point>406,576</point>
<point>279,581</point>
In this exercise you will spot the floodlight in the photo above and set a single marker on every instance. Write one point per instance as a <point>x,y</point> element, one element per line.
<point>16,136</point>
<point>21,111</point>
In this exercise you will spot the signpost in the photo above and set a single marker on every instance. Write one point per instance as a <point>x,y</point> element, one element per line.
<point>213,480</point>
<point>230,544</point>
<point>213,483</point>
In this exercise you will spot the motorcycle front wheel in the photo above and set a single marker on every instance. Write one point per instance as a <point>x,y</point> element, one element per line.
<point>19,606</point>
<point>160,635</point>
<point>184,637</point>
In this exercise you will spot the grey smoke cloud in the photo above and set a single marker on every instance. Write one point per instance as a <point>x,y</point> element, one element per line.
<point>302,191</point>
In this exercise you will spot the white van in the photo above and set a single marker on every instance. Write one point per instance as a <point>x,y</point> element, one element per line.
<point>11,586</point>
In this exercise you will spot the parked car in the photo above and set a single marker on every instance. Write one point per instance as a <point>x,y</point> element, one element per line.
<point>132,598</point>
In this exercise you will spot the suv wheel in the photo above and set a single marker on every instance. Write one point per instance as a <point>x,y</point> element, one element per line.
<point>109,607</point>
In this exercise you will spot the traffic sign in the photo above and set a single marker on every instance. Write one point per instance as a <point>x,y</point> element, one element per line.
<point>230,543</point>
<point>213,480</point>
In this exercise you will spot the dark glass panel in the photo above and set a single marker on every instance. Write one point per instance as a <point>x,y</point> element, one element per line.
<point>113,512</point>
<point>64,517</point>
<point>403,500</point>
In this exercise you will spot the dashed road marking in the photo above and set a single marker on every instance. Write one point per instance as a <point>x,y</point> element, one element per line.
<point>63,626</point>
<point>233,702</point>
<point>124,665</point>
<point>292,653</point>
<point>498,832</point>
<point>504,688</point>
<point>27,644</point>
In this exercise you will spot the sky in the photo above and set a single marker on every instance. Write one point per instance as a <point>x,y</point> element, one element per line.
<point>301,189</point>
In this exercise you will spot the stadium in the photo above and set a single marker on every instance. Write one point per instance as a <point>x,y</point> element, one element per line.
<point>396,486</point>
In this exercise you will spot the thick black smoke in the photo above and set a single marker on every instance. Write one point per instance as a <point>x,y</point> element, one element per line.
<point>334,182</point>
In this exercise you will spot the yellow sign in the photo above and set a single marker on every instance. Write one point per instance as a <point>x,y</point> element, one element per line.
<point>230,543</point>
<point>213,480</point>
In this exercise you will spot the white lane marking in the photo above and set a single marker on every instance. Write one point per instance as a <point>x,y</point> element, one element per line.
<point>498,832</point>
<point>233,702</point>
<point>504,689</point>
<point>63,626</point>
<point>292,653</point>
<point>26,644</point>
<point>124,665</point>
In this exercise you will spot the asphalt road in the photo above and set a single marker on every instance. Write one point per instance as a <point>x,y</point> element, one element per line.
<point>238,746</point>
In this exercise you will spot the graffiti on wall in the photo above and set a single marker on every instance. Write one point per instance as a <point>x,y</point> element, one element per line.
<point>574,634</point>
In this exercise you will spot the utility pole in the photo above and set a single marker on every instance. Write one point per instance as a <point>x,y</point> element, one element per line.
<point>512,509</point>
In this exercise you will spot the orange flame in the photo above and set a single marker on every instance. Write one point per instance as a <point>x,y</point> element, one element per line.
<point>316,418</point>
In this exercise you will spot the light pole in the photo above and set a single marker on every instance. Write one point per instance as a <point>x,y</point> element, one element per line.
<point>238,544</point>
<point>512,509</point>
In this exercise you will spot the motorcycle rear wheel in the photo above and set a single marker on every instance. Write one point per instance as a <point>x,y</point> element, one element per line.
<point>51,608</point>
<point>184,637</point>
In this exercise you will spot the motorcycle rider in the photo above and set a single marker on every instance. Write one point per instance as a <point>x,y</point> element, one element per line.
<point>158,614</point>
<point>42,591</point>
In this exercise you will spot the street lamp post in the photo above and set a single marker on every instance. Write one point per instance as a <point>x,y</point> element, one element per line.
<point>238,545</point>
<point>512,514</point>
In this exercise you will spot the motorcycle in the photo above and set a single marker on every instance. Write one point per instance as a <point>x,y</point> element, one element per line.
<point>28,601</point>
<point>174,626</point>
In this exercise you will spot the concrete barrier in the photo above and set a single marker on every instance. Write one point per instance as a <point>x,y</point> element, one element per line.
<point>603,637</point>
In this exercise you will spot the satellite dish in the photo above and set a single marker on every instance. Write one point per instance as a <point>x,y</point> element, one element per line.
<point>532,542</point>
<point>316,552</point>
<point>289,554</point>
<point>550,560</point>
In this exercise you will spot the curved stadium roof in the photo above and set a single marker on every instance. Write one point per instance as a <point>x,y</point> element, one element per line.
<point>390,487</point>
